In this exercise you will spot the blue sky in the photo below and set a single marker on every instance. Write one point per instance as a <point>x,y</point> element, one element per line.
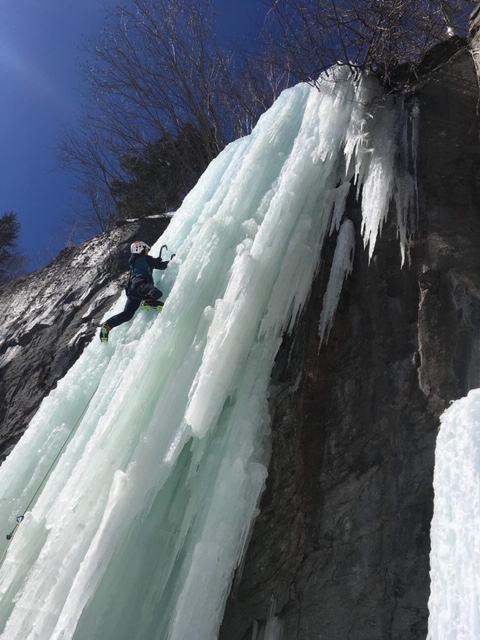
<point>40,48</point>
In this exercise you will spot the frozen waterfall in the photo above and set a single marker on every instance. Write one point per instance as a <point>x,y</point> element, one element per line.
<point>140,475</point>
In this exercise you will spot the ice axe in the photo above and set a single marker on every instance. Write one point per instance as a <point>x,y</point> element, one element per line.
<point>164,246</point>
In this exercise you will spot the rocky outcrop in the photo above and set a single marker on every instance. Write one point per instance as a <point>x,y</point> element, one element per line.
<point>341,546</point>
<point>48,317</point>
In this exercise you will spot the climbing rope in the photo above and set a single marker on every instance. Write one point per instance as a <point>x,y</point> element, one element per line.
<point>20,517</point>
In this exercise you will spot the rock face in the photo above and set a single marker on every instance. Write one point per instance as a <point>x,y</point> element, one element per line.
<point>49,316</point>
<point>341,546</point>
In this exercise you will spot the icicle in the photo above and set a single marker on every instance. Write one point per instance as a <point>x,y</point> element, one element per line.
<point>341,267</point>
<point>274,628</point>
<point>340,199</point>
<point>380,155</point>
<point>406,193</point>
<point>271,629</point>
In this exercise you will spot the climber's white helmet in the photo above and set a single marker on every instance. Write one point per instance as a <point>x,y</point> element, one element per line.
<point>138,246</point>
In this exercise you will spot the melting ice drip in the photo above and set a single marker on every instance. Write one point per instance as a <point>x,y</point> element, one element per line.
<point>145,516</point>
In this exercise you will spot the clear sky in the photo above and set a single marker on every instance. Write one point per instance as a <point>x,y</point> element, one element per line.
<point>40,48</point>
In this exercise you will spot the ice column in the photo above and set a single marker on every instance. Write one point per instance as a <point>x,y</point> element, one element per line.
<point>454,603</point>
<point>342,266</point>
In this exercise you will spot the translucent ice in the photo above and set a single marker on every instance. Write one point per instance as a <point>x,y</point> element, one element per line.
<point>342,266</point>
<point>454,603</point>
<point>141,473</point>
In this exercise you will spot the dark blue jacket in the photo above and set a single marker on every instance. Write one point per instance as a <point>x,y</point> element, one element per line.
<point>144,266</point>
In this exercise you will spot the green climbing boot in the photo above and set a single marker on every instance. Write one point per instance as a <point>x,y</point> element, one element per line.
<point>104,331</point>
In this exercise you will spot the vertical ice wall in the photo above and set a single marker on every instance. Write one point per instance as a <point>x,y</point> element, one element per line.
<point>454,603</point>
<point>136,530</point>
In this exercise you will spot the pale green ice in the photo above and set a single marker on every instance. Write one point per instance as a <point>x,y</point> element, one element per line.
<point>142,521</point>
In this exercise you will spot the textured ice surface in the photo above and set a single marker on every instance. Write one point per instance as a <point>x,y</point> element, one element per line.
<point>135,529</point>
<point>454,603</point>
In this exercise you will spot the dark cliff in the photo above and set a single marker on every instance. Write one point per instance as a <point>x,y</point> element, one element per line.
<point>341,546</point>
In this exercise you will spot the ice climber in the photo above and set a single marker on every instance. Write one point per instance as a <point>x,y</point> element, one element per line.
<point>140,289</point>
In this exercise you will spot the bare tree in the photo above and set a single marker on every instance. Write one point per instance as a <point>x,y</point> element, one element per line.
<point>158,71</point>
<point>12,261</point>
<point>252,90</point>
<point>311,35</point>
<point>89,152</point>
<point>156,68</point>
